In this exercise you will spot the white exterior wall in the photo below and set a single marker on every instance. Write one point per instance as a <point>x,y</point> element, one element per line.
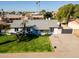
<point>19,29</point>
<point>43,33</point>
<point>57,31</point>
<point>13,30</point>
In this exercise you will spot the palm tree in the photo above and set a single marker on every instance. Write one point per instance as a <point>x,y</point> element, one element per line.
<point>38,4</point>
<point>3,13</point>
<point>42,12</point>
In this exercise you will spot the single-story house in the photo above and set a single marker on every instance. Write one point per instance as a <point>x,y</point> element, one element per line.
<point>36,26</point>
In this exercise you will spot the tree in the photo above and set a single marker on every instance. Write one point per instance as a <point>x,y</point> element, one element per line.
<point>20,12</point>
<point>48,15</point>
<point>76,10</point>
<point>65,12</point>
<point>22,35</point>
<point>24,13</point>
<point>42,12</point>
<point>24,27</point>
<point>13,12</point>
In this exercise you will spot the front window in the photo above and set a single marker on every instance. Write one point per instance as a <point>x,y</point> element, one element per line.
<point>16,29</point>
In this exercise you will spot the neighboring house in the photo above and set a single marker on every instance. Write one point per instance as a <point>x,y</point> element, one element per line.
<point>29,15</point>
<point>37,16</point>
<point>38,27</point>
<point>74,24</point>
<point>25,18</point>
<point>2,27</point>
<point>33,15</point>
<point>0,18</point>
<point>11,17</point>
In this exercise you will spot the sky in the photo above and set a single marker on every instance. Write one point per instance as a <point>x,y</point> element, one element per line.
<point>31,5</point>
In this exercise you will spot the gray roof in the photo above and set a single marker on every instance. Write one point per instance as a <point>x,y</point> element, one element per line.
<point>16,23</point>
<point>40,24</point>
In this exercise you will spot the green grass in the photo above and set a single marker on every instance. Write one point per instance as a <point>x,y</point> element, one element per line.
<point>8,44</point>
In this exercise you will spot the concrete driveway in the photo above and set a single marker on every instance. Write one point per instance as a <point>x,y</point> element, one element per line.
<point>67,45</point>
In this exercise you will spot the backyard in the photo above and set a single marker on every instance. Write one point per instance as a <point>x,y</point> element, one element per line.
<point>9,44</point>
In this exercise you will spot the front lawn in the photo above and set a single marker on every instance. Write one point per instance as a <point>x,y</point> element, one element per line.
<point>8,44</point>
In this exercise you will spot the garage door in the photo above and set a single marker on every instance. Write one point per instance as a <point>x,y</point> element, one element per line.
<point>66,31</point>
